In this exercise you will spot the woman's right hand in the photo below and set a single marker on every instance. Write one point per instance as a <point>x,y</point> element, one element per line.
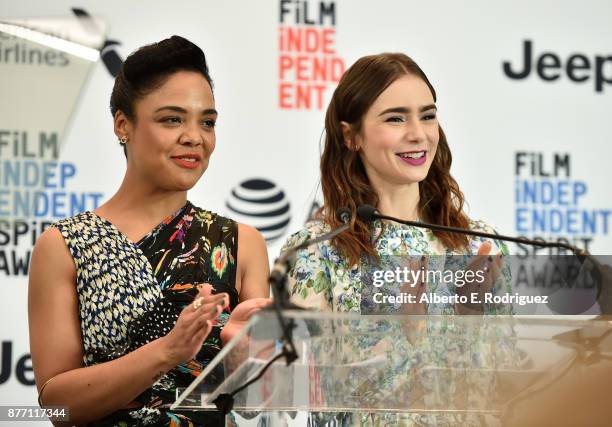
<point>484,262</point>
<point>193,325</point>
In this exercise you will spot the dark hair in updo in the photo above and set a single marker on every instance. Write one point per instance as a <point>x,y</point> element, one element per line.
<point>147,68</point>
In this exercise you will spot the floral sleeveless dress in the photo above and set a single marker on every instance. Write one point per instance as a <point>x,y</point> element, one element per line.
<point>131,293</point>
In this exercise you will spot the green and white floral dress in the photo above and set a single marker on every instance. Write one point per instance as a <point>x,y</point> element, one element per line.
<point>321,279</point>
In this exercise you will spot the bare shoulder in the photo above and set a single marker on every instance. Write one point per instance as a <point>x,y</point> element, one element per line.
<point>253,266</point>
<point>249,234</point>
<point>50,239</point>
<point>51,255</point>
<point>251,245</point>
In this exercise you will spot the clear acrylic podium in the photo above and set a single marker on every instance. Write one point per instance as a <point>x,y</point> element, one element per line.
<point>489,367</point>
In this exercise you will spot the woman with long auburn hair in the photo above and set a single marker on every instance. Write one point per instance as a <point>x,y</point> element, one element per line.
<point>384,147</point>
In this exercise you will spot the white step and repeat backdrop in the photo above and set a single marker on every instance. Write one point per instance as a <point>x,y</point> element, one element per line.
<point>525,94</point>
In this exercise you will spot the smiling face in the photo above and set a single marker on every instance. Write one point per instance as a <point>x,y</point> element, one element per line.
<point>399,134</point>
<point>172,135</point>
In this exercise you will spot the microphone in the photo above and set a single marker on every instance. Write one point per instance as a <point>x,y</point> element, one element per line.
<point>368,213</point>
<point>344,215</point>
<point>600,273</point>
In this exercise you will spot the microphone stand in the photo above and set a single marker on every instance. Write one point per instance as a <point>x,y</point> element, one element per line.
<point>278,282</point>
<point>367,213</point>
<point>601,274</point>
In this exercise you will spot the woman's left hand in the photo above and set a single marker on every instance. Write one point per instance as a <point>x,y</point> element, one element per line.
<point>241,315</point>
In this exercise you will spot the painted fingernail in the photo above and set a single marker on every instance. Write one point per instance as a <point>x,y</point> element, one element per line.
<point>214,310</point>
<point>490,258</point>
<point>423,258</point>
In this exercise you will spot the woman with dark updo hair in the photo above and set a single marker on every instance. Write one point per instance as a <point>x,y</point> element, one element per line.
<point>132,300</point>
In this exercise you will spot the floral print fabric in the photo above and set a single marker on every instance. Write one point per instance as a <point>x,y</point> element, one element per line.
<point>132,293</point>
<point>321,279</point>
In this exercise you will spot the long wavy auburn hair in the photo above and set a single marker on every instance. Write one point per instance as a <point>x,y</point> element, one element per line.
<point>343,177</point>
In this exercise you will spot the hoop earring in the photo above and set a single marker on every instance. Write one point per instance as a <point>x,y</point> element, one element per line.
<point>123,140</point>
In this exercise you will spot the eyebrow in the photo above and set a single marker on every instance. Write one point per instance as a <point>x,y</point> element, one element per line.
<point>182,110</point>
<point>406,110</point>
